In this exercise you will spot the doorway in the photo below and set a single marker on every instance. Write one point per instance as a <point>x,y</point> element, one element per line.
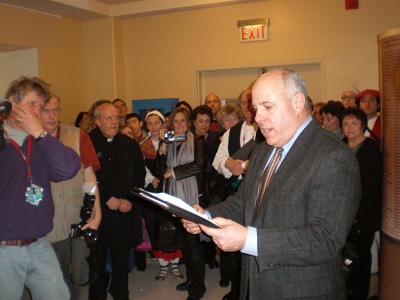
<point>228,83</point>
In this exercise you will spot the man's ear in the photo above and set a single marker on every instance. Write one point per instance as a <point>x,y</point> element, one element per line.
<point>140,124</point>
<point>97,122</point>
<point>299,101</point>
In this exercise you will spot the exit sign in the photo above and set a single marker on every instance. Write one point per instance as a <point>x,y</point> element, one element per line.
<point>253,30</point>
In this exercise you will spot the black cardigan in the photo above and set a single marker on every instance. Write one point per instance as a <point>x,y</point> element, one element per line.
<point>368,217</point>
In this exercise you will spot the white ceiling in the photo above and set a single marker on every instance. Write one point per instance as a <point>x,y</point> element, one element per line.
<point>85,10</point>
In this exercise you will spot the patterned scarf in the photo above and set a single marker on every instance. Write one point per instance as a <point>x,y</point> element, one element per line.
<point>148,150</point>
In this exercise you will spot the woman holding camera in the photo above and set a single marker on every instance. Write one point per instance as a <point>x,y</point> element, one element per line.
<point>182,165</point>
<point>154,122</point>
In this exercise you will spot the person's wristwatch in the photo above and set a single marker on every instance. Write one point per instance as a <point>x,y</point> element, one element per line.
<point>42,134</point>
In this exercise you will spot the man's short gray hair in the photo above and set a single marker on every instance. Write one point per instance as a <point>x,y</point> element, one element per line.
<point>294,83</point>
<point>97,110</point>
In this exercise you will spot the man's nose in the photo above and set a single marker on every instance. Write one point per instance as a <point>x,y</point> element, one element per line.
<point>258,116</point>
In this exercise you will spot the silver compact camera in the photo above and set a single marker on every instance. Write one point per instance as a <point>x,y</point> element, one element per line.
<point>170,137</point>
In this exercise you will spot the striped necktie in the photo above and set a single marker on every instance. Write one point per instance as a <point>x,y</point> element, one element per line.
<point>266,177</point>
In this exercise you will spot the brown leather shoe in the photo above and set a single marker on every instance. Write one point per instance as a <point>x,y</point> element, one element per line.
<point>163,274</point>
<point>175,272</point>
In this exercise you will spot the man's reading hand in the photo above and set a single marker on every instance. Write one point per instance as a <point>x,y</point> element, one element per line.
<point>231,237</point>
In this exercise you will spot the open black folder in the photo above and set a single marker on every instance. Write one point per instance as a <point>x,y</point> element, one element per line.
<point>244,152</point>
<point>175,206</point>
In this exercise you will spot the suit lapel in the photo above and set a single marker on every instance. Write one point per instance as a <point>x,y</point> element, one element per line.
<point>289,164</point>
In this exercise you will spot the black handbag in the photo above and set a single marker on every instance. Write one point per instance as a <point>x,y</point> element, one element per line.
<point>165,234</point>
<point>350,263</point>
<point>349,258</point>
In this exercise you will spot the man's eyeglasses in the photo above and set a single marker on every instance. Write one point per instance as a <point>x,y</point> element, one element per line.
<point>230,119</point>
<point>348,97</point>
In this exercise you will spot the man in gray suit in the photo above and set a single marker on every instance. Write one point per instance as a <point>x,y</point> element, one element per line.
<point>292,246</point>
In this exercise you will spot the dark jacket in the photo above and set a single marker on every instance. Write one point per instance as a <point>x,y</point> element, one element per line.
<point>194,168</point>
<point>368,219</point>
<point>122,169</point>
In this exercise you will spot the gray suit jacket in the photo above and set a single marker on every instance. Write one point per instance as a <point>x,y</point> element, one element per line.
<point>304,219</point>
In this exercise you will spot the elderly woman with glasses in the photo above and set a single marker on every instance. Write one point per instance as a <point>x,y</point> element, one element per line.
<point>349,97</point>
<point>228,116</point>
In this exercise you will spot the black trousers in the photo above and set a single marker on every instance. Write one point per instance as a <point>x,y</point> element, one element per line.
<point>210,251</point>
<point>230,267</point>
<point>193,256</point>
<point>359,280</point>
<point>119,246</point>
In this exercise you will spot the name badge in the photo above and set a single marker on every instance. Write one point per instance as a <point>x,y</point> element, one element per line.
<point>34,194</point>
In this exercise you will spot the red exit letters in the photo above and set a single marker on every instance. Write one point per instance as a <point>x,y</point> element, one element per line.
<point>253,33</point>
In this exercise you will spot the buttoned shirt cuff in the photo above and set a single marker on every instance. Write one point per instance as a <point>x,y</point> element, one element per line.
<point>250,246</point>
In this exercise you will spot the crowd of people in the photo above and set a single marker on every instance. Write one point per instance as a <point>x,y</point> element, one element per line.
<point>308,185</point>
<point>356,121</point>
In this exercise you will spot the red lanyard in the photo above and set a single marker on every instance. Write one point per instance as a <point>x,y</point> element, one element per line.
<point>16,146</point>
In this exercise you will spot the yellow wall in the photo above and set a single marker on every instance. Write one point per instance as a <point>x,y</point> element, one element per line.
<point>99,60</point>
<point>163,52</point>
<point>157,56</point>
<point>59,43</point>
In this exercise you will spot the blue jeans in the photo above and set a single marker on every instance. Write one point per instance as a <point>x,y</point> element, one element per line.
<point>35,266</point>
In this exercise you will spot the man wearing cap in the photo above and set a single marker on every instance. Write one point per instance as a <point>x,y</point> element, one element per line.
<point>349,97</point>
<point>369,101</point>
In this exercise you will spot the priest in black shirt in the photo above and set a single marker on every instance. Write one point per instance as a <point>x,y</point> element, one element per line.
<point>122,169</point>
